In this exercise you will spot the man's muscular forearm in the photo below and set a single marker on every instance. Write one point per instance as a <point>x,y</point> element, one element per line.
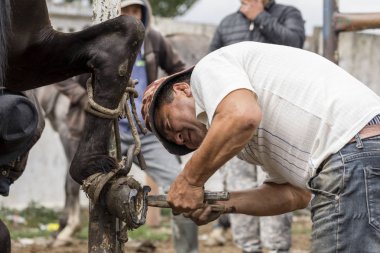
<point>268,199</point>
<point>235,121</point>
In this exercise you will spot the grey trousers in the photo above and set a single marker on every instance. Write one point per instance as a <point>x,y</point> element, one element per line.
<point>163,167</point>
<point>251,233</point>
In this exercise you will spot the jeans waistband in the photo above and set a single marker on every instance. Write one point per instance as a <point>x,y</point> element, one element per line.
<point>372,129</point>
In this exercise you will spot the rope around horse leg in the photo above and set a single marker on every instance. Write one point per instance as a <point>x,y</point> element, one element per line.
<point>134,131</point>
<point>117,139</point>
<point>133,107</point>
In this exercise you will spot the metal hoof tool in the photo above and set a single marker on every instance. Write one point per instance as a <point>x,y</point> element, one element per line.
<point>209,198</point>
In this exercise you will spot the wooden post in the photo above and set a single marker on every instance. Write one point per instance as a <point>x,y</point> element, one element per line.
<point>335,22</point>
<point>105,9</point>
<point>330,36</point>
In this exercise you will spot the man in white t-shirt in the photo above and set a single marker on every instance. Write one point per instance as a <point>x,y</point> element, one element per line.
<point>312,126</point>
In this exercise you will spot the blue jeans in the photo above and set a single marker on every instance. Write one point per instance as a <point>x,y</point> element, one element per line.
<point>346,204</point>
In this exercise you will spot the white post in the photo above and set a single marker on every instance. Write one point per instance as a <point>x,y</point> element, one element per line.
<point>105,9</point>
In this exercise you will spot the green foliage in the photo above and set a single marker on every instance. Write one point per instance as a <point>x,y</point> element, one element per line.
<point>33,217</point>
<point>144,233</point>
<point>166,212</point>
<point>33,214</point>
<point>36,215</point>
<point>170,8</point>
<point>28,233</point>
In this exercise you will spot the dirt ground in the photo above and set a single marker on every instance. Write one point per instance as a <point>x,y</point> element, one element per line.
<point>300,243</point>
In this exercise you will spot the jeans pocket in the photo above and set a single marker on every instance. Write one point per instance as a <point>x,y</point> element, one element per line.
<point>329,185</point>
<point>372,180</point>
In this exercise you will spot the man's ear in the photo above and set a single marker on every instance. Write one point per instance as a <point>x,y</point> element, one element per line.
<point>182,87</point>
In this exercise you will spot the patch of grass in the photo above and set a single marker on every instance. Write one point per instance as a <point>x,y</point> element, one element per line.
<point>144,233</point>
<point>28,233</point>
<point>166,212</point>
<point>27,222</point>
<point>35,215</point>
<point>83,233</point>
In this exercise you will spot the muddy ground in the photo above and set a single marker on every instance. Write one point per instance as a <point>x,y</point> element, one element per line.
<point>300,242</point>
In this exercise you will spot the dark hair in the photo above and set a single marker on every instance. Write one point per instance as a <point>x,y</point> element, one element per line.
<point>166,93</point>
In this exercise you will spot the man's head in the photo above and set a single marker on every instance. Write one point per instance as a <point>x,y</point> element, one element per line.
<point>169,112</point>
<point>133,8</point>
<point>252,8</point>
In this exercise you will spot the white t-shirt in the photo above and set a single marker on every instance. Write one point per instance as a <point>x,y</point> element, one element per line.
<point>311,107</point>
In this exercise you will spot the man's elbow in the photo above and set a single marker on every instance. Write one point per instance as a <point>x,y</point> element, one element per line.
<point>301,199</point>
<point>250,121</point>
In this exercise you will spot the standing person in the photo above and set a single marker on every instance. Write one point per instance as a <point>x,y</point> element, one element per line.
<point>161,166</point>
<point>268,22</point>
<point>261,21</point>
<point>312,126</point>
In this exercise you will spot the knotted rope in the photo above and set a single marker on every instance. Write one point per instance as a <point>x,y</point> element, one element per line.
<point>94,184</point>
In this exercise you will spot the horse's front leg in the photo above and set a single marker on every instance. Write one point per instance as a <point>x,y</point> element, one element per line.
<point>111,58</point>
<point>124,197</point>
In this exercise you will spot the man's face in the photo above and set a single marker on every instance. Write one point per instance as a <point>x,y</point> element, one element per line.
<point>132,10</point>
<point>177,121</point>
<point>248,2</point>
<point>251,8</point>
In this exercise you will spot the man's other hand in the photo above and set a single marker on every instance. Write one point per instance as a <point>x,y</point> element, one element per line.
<point>203,215</point>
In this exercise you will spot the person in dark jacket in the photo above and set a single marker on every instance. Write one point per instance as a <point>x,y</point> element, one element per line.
<point>261,21</point>
<point>162,166</point>
<point>268,22</point>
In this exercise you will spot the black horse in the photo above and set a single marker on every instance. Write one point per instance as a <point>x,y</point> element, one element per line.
<point>33,54</point>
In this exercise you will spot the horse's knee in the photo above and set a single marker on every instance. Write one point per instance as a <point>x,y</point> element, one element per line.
<point>124,38</point>
<point>98,164</point>
<point>5,239</point>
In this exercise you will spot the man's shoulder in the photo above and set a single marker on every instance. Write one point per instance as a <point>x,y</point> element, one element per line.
<point>281,9</point>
